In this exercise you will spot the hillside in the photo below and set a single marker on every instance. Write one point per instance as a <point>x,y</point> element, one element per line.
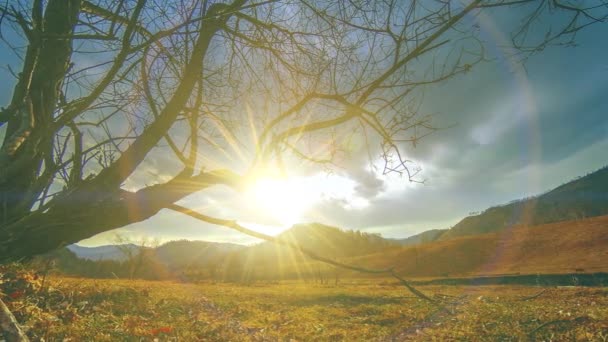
<point>563,247</point>
<point>194,254</point>
<point>327,240</point>
<point>581,198</point>
<point>424,237</point>
<point>271,261</point>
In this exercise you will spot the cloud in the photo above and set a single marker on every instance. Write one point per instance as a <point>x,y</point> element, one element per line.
<point>368,184</point>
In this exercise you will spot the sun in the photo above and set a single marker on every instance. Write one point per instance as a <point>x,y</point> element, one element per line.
<point>284,200</point>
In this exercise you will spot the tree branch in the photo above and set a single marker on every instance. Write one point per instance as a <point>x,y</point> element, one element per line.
<point>10,326</point>
<point>239,228</point>
<point>135,154</point>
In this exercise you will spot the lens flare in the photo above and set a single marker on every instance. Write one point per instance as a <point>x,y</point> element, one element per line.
<point>284,200</point>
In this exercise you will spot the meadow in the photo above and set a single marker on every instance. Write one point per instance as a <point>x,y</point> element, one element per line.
<point>76,309</point>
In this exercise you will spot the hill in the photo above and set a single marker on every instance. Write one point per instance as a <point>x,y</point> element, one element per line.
<point>424,237</point>
<point>106,252</point>
<point>321,239</point>
<point>172,259</point>
<point>327,240</point>
<point>581,198</point>
<point>195,260</point>
<point>562,247</point>
<point>184,254</point>
<point>272,261</point>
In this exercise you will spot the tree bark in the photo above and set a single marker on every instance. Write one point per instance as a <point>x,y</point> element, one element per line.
<point>34,102</point>
<point>89,211</point>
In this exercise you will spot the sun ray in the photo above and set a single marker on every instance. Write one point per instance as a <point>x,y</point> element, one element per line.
<point>293,257</point>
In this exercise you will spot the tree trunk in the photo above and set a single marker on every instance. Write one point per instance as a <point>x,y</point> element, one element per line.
<point>35,101</point>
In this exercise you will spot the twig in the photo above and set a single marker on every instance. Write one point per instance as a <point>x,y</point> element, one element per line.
<point>45,273</point>
<point>234,225</point>
<point>10,326</point>
<point>533,296</point>
<point>577,320</point>
<point>444,295</point>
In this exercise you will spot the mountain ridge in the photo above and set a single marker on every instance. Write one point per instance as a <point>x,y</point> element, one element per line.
<point>103,252</point>
<point>582,197</point>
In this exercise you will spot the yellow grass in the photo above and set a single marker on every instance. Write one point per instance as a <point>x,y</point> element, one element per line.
<point>119,310</point>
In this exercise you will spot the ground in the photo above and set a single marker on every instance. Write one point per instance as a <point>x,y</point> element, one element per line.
<point>71,309</point>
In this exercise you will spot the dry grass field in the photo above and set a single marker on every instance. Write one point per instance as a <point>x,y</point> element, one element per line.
<point>71,309</point>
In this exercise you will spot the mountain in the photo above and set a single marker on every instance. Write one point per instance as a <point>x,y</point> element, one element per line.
<point>327,240</point>
<point>554,248</point>
<point>107,252</point>
<point>174,253</point>
<point>198,260</point>
<point>582,246</point>
<point>191,254</point>
<point>424,237</point>
<point>274,261</point>
<point>581,198</point>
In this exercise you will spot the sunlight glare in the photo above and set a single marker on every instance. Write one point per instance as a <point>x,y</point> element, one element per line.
<point>283,199</point>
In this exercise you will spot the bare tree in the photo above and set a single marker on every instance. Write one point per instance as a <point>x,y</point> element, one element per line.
<point>209,92</point>
<point>136,253</point>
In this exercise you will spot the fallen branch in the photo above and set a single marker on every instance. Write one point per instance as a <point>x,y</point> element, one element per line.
<point>533,296</point>
<point>9,325</point>
<point>235,226</point>
<point>575,321</point>
<point>411,288</point>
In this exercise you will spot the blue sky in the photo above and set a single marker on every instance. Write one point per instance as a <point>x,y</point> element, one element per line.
<point>514,131</point>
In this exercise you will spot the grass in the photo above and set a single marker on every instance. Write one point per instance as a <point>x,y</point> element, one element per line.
<point>70,309</point>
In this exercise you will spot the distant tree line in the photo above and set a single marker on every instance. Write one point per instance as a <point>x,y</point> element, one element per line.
<point>203,261</point>
<point>65,262</point>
